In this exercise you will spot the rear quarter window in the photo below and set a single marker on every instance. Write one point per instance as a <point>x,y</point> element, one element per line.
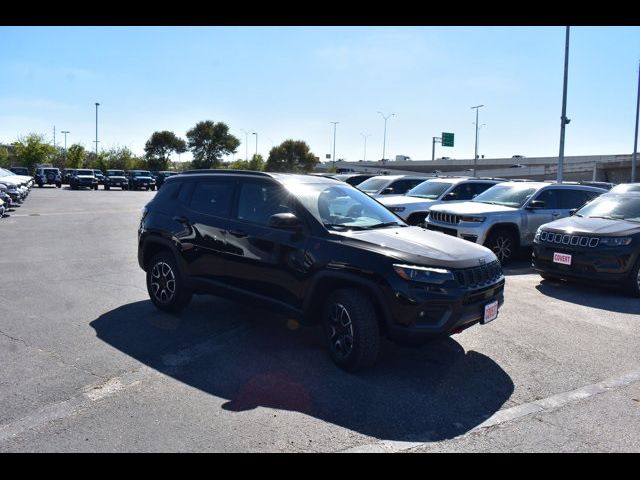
<point>168,192</point>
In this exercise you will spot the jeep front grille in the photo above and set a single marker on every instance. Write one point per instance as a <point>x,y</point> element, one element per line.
<point>444,217</point>
<point>571,240</point>
<point>479,275</point>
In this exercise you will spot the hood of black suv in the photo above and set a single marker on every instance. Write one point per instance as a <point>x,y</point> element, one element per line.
<point>419,246</point>
<point>598,226</point>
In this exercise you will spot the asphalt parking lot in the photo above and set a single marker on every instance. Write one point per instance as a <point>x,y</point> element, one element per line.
<point>89,364</point>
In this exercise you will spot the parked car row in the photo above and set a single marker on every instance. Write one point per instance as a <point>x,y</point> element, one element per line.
<point>14,189</point>
<point>125,180</point>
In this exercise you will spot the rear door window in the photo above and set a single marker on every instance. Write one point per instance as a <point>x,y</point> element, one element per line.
<point>212,197</point>
<point>568,199</point>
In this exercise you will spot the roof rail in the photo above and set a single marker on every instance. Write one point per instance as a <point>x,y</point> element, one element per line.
<point>228,172</point>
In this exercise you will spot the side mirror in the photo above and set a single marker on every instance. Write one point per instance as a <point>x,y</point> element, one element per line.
<point>572,212</point>
<point>450,196</point>
<point>285,221</point>
<point>387,191</point>
<point>536,204</point>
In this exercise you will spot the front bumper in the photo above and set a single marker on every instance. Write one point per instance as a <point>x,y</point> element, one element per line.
<point>475,232</point>
<point>422,311</point>
<point>599,264</point>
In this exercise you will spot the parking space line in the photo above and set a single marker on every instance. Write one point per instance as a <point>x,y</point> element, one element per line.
<point>502,416</point>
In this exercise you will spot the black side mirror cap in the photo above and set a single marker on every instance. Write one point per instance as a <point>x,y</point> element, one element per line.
<point>572,212</point>
<point>285,221</point>
<point>387,191</point>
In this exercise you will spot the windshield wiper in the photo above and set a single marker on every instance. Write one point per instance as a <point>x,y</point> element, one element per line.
<point>386,224</point>
<point>342,225</point>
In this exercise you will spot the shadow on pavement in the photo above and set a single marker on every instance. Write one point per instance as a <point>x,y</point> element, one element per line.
<point>612,299</point>
<point>253,358</point>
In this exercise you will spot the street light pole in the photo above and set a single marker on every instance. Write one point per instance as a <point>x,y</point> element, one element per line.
<point>364,157</point>
<point>563,119</point>
<point>97,105</point>
<point>384,139</point>
<point>256,134</point>
<point>475,155</point>
<point>635,137</point>
<point>65,142</point>
<point>334,143</point>
<point>246,144</point>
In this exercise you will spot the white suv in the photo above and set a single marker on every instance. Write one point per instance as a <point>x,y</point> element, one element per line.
<point>413,206</point>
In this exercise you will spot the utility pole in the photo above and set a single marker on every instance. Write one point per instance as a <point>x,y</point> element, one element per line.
<point>54,136</point>
<point>475,155</point>
<point>334,143</point>
<point>635,137</point>
<point>563,119</point>
<point>246,143</point>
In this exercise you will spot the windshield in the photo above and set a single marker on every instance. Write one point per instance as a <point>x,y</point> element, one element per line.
<point>616,207</point>
<point>84,172</point>
<point>115,172</point>
<point>50,170</point>
<point>141,174</point>
<point>508,195</point>
<point>626,187</point>
<point>341,208</point>
<point>6,173</point>
<point>429,189</point>
<point>373,185</point>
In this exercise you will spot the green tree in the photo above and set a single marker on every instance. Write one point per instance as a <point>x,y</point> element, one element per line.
<point>4,158</point>
<point>75,156</point>
<point>238,165</point>
<point>209,141</point>
<point>120,159</point>
<point>256,163</point>
<point>291,156</point>
<point>33,150</point>
<point>159,147</point>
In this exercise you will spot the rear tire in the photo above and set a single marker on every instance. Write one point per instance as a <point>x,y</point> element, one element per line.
<point>503,244</point>
<point>351,329</point>
<point>165,285</point>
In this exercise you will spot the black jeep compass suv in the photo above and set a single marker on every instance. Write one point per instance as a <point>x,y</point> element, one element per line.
<point>315,249</point>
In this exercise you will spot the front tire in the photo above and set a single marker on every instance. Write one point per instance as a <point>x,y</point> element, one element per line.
<point>165,286</point>
<point>503,244</point>
<point>633,281</point>
<point>351,329</point>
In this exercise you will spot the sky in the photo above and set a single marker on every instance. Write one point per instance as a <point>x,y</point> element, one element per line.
<point>291,82</point>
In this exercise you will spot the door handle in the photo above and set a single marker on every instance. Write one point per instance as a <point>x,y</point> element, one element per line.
<point>181,219</point>
<point>238,233</point>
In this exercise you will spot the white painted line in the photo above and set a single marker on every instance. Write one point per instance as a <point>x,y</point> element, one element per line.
<point>79,212</point>
<point>508,414</point>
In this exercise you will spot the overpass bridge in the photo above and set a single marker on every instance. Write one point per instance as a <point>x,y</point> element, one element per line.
<point>604,168</point>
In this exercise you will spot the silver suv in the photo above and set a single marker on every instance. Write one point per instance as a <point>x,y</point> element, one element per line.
<point>506,216</point>
<point>414,205</point>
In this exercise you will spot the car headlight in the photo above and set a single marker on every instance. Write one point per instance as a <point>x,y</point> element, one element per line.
<point>416,273</point>
<point>472,219</point>
<point>397,209</point>
<point>615,241</point>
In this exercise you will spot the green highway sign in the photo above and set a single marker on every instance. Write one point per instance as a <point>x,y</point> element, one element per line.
<point>447,139</point>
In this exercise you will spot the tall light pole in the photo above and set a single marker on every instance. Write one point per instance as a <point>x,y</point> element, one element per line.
<point>563,119</point>
<point>54,136</point>
<point>475,155</point>
<point>65,142</point>
<point>246,143</point>
<point>635,137</point>
<point>256,134</point>
<point>480,128</point>
<point>384,139</point>
<point>334,143</point>
<point>364,157</point>
<point>97,105</point>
